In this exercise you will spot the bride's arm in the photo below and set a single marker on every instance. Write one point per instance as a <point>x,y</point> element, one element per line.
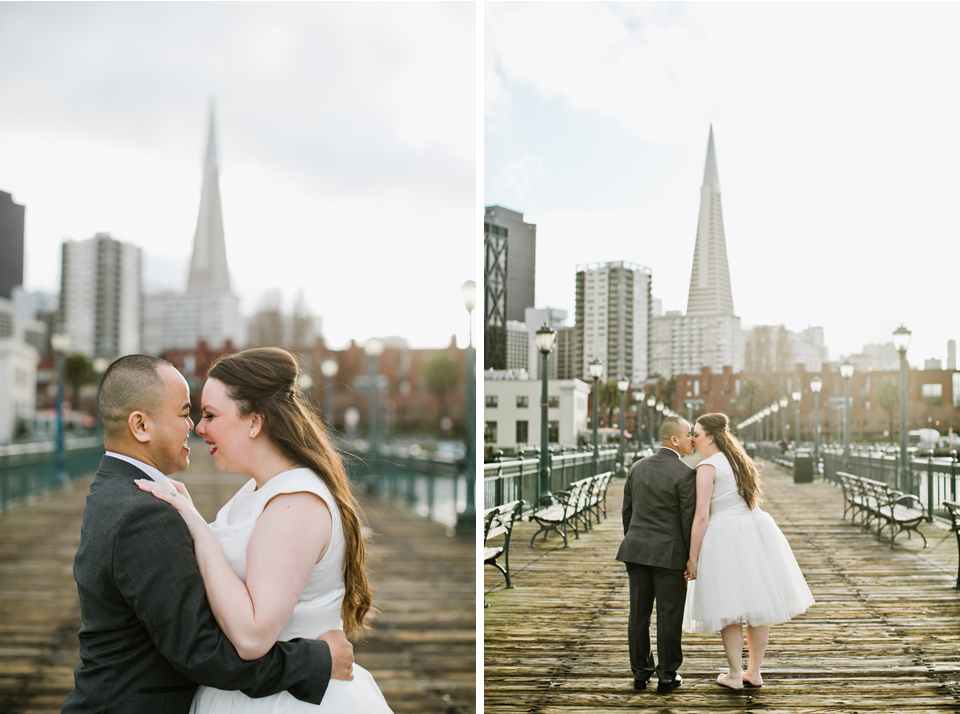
<point>706,476</point>
<point>290,537</point>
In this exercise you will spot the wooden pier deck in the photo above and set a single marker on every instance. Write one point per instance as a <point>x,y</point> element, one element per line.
<point>422,650</point>
<point>884,635</point>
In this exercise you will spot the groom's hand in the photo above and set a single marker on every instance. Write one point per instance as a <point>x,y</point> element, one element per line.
<point>341,654</point>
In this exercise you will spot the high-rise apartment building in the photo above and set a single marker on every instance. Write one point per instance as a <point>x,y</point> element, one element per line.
<point>100,296</point>
<point>209,310</point>
<point>11,245</point>
<point>509,276</point>
<point>709,334</point>
<point>613,307</point>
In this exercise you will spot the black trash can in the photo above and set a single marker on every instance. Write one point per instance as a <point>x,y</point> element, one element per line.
<point>803,467</point>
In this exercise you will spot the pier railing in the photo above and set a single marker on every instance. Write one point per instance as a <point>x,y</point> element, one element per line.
<point>29,470</point>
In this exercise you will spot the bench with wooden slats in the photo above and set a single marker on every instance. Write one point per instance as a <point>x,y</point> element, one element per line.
<point>875,501</point>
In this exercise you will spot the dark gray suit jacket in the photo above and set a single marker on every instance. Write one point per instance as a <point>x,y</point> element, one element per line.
<point>659,500</point>
<point>148,634</point>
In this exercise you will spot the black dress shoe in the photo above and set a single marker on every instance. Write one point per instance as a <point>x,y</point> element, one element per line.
<point>668,685</point>
<point>637,684</point>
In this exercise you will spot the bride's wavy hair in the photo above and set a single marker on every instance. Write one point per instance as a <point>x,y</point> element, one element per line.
<point>744,470</point>
<point>264,381</point>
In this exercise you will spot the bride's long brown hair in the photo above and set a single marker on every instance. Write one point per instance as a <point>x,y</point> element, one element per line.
<point>744,470</point>
<point>264,381</point>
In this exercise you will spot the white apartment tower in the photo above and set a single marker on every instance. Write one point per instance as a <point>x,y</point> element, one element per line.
<point>100,296</point>
<point>709,334</point>
<point>208,310</point>
<point>613,320</point>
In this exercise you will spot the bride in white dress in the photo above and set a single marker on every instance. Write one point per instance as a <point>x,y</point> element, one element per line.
<point>744,570</point>
<point>284,557</point>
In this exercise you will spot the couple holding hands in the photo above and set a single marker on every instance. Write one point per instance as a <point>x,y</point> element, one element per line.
<point>697,543</point>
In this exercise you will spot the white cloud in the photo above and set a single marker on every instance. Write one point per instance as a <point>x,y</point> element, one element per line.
<point>520,175</point>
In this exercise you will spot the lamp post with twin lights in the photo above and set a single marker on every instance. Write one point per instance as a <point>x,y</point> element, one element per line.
<point>329,368</point>
<point>783,417</point>
<point>901,340</point>
<point>816,384</point>
<point>846,371</point>
<point>596,371</point>
<point>651,404</point>
<point>467,521</point>
<point>545,337</point>
<point>373,349</point>
<point>623,385</point>
<point>797,396</point>
<point>60,342</point>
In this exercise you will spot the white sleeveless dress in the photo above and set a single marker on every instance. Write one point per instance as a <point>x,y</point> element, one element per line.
<point>316,611</point>
<point>747,572</point>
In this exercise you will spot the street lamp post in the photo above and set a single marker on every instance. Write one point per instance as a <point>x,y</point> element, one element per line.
<point>596,371</point>
<point>60,342</point>
<point>467,521</point>
<point>783,417</point>
<point>846,371</point>
<point>901,340</point>
<point>766,423</point>
<point>651,404</point>
<point>623,385</point>
<point>797,396</point>
<point>329,368</point>
<point>545,337</point>
<point>689,406</point>
<point>373,350</point>
<point>774,408</point>
<point>816,384</point>
<point>638,397</point>
<point>100,365</point>
<point>660,407</point>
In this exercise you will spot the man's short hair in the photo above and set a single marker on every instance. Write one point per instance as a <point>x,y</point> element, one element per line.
<point>670,427</point>
<point>130,384</point>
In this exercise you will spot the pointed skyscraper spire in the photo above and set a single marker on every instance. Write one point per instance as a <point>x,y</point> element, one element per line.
<point>710,171</point>
<point>710,280</point>
<point>208,267</point>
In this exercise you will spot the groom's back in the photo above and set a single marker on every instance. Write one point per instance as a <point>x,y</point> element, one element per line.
<point>659,500</point>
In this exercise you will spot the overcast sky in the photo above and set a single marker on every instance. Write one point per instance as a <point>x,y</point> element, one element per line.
<point>346,134</point>
<point>837,148</point>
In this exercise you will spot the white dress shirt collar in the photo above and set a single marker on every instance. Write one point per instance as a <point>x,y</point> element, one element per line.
<point>149,470</point>
<point>662,446</point>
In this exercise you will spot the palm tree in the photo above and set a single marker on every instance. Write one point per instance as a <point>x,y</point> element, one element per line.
<point>751,394</point>
<point>610,398</point>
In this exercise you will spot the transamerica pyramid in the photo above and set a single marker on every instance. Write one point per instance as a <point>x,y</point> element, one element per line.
<point>710,278</point>
<point>208,267</point>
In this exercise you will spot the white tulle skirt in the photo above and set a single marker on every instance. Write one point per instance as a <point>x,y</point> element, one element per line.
<point>746,574</point>
<point>360,695</point>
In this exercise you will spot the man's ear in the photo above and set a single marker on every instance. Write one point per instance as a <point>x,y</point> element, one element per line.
<point>137,424</point>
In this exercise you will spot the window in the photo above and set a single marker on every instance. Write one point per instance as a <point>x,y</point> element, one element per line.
<point>523,401</point>
<point>491,401</point>
<point>553,402</point>
<point>553,432</point>
<point>933,392</point>
<point>490,432</point>
<point>523,432</point>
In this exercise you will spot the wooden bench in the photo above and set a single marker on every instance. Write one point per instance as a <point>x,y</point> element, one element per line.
<point>498,521</point>
<point>560,512</point>
<point>876,501</point>
<point>953,508</point>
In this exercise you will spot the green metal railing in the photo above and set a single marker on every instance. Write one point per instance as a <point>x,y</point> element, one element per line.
<point>29,470</point>
<point>432,485</point>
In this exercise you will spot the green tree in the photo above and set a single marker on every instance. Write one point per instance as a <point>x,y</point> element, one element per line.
<point>751,394</point>
<point>78,371</point>
<point>609,398</point>
<point>441,373</point>
<point>888,397</point>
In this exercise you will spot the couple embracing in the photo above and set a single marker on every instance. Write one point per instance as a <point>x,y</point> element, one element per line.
<point>703,527</point>
<point>252,607</point>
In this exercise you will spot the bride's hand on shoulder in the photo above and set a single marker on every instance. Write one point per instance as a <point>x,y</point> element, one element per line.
<point>179,498</point>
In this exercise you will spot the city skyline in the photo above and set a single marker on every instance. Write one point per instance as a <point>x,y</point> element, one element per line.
<point>345,134</point>
<point>836,168</point>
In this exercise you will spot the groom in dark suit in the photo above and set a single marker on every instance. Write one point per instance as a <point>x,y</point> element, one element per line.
<point>659,500</point>
<point>148,634</point>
